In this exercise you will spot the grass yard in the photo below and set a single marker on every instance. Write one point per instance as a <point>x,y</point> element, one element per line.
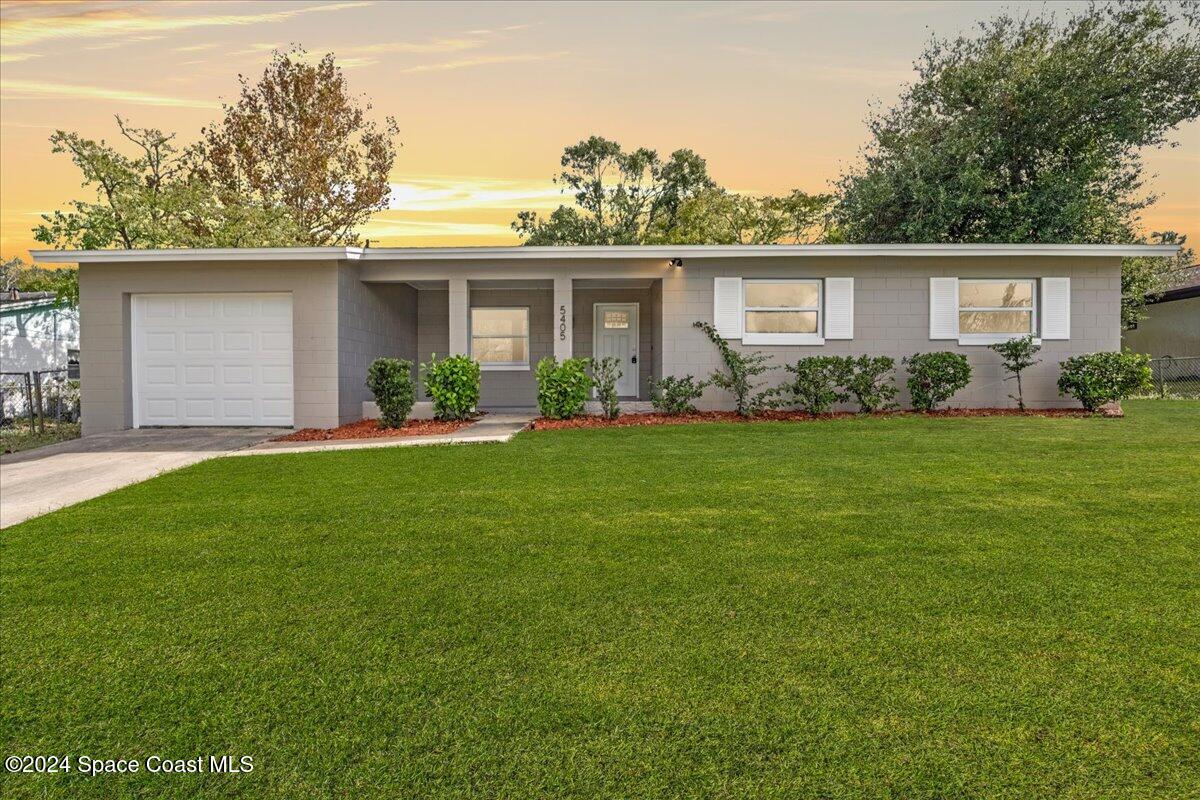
<point>20,435</point>
<point>899,607</point>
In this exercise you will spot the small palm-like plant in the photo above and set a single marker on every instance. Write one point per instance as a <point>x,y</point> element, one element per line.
<point>1017,355</point>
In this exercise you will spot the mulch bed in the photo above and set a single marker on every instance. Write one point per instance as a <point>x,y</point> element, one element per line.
<point>370,429</point>
<point>629,420</point>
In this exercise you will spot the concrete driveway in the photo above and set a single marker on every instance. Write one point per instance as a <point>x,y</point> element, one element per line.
<point>42,480</point>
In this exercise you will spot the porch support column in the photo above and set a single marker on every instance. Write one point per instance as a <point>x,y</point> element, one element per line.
<point>460,329</point>
<point>564,335</point>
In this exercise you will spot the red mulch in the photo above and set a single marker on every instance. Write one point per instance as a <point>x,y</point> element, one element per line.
<point>628,420</point>
<point>370,429</point>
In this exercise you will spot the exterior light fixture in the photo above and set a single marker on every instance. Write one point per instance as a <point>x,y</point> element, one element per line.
<point>676,262</point>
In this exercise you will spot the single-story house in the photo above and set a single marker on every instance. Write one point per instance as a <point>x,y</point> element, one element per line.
<point>284,336</point>
<point>37,334</point>
<point>1172,324</point>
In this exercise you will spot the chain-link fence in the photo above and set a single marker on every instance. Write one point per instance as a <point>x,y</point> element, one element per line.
<point>1176,377</point>
<point>38,403</point>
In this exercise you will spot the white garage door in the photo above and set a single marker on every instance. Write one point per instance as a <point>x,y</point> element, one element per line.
<point>212,359</point>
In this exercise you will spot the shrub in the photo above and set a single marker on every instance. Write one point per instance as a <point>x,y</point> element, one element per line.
<point>562,388</point>
<point>740,369</point>
<point>453,386</point>
<point>869,379</point>
<point>1017,354</point>
<point>674,396</point>
<point>1098,378</point>
<point>815,387</point>
<point>391,382</point>
<point>605,374</point>
<point>934,377</point>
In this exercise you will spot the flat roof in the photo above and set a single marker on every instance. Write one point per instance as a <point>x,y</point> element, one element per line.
<point>520,253</point>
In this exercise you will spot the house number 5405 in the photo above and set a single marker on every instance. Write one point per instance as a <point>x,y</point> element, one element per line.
<point>562,323</point>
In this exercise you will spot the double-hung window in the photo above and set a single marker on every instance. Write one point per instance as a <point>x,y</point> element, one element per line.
<point>781,311</point>
<point>500,338</point>
<point>995,310</point>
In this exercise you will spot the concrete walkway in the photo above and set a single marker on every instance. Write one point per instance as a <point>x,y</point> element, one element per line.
<point>42,480</point>
<point>495,427</point>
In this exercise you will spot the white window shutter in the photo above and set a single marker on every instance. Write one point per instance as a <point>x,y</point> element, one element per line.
<point>727,307</point>
<point>839,308</point>
<point>943,308</point>
<point>1056,308</point>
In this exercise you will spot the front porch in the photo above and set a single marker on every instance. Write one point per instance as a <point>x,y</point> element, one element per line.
<point>508,325</point>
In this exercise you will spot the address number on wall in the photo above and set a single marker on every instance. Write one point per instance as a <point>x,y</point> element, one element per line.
<point>562,323</point>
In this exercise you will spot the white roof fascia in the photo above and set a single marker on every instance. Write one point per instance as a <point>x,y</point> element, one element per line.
<point>519,253</point>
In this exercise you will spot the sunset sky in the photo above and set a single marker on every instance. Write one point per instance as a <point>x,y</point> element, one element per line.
<point>486,95</point>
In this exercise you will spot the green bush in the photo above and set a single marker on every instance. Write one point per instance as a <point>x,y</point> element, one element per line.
<point>605,374</point>
<point>391,382</point>
<point>815,386</point>
<point>740,369</point>
<point>934,377</point>
<point>562,388</point>
<point>453,386</point>
<point>869,379</point>
<point>673,396</point>
<point>1017,355</point>
<point>1098,378</point>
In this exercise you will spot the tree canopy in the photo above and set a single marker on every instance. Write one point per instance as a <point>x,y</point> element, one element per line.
<point>636,197</point>
<point>298,141</point>
<point>16,275</point>
<point>1031,131</point>
<point>716,216</point>
<point>618,195</point>
<point>294,162</point>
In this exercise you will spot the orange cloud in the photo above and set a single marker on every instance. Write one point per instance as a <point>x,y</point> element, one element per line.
<point>29,30</point>
<point>518,58</point>
<point>45,90</point>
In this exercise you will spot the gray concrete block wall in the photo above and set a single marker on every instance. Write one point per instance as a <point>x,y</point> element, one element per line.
<point>891,317</point>
<point>433,329</point>
<point>501,388</point>
<point>104,301</point>
<point>583,302</point>
<point>374,320</point>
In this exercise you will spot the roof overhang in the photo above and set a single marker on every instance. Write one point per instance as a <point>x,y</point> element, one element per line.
<point>519,253</point>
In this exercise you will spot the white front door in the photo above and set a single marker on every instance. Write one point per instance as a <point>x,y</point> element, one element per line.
<point>212,359</point>
<point>615,335</point>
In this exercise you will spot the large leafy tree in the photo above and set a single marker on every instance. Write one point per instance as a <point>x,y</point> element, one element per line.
<point>1030,131</point>
<point>298,140</point>
<point>16,275</point>
<point>716,216</point>
<point>619,196</point>
<point>152,198</point>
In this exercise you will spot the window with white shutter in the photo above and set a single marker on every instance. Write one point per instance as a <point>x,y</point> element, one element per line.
<point>995,310</point>
<point>782,311</point>
<point>839,308</point>
<point>727,307</point>
<point>943,308</point>
<point>1056,308</point>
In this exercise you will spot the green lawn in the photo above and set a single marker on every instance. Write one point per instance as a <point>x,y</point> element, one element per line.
<point>20,435</point>
<point>861,608</point>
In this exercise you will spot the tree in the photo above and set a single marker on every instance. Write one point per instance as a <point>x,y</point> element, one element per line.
<point>715,216</point>
<point>16,275</point>
<point>1031,131</point>
<point>1143,279</point>
<point>1017,355</point>
<point>619,196</point>
<point>298,141</point>
<point>151,199</point>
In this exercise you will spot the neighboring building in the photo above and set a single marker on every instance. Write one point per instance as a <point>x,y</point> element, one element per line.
<point>1172,323</point>
<point>37,332</point>
<point>284,336</point>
